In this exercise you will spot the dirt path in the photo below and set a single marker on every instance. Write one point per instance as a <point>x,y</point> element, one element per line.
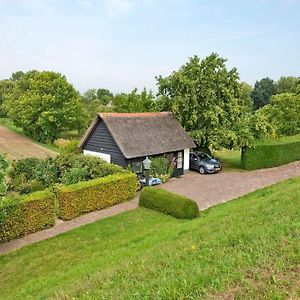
<point>207,190</point>
<point>16,146</point>
<point>211,189</point>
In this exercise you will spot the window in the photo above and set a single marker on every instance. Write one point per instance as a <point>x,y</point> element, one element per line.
<point>137,167</point>
<point>179,160</point>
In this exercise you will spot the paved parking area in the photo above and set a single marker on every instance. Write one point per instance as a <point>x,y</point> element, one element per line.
<point>211,189</point>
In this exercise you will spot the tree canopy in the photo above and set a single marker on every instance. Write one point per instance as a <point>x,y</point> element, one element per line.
<point>283,113</point>
<point>287,84</point>
<point>44,104</point>
<point>134,101</point>
<point>206,98</point>
<point>262,92</point>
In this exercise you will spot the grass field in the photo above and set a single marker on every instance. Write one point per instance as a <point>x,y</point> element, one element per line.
<point>248,248</point>
<point>231,159</point>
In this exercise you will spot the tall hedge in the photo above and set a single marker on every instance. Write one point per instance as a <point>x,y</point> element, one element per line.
<point>96,194</point>
<point>168,203</point>
<point>23,215</point>
<point>270,155</point>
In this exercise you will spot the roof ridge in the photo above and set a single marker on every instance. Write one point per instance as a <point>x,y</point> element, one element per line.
<point>139,114</point>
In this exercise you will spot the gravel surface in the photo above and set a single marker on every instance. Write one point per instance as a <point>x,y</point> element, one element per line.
<point>211,189</point>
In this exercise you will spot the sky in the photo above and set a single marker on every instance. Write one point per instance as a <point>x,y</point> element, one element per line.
<point>123,44</point>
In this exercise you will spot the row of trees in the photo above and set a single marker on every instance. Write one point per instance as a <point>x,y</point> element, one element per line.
<point>207,98</point>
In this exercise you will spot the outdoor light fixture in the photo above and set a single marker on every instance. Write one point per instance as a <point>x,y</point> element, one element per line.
<point>147,165</point>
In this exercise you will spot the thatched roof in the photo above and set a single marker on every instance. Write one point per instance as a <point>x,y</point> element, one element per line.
<point>143,134</point>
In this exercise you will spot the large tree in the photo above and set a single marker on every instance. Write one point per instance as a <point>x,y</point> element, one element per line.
<point>287,84</point>
<point>283,112</point>
<point>134,101</point>
<point>105,96</point>
<point>206,98</point>
<point>262,92</point>
<point>44,104</point>
<point>6,88</point>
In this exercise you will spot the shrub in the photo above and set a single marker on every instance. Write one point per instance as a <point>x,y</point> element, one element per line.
<point>31,174</point>
<point>96,194</point>
<point>27,214</point>
<point>168,203</point>
<point>161,168</point>
<point>270,155</point>
<point>3,168</point>
<point>67,146</point>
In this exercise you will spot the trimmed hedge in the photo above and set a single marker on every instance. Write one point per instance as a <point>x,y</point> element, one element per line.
<point>168,203</point>
<point>27,214</point>
<point>96,194</point>
<point>270,155</point>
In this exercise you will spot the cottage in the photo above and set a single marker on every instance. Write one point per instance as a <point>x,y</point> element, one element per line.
<point>127,138</point>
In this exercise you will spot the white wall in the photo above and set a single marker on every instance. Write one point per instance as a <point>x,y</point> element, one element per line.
<point>186,159</point>
<point>104,156</point>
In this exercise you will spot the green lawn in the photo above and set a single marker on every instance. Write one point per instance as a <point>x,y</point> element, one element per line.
<point>231,159</point>
<point>248,248</point>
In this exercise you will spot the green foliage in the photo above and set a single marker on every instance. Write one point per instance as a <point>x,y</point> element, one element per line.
<point>23,215</point>
<point>262,92</point>
<point>261,126</point>
<point>287,84</point>
<point>161,168</point>
<point>17,75</point>
<point>104,96</point>
<point>96,194</point>
<point>271,154</point>
<point>66,146</point>
<point>6,88</point>
<point>246,90</point>
<point>74,175</point>
<point>283,113</point>
<point>134,102</point>
<point>3,169</point>
<point>44,104</point>
<point>168,203</point>
<point>206,99</point>
<point>31,174</point>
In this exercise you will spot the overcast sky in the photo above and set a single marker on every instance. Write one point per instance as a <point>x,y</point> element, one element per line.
<point>122,44</point>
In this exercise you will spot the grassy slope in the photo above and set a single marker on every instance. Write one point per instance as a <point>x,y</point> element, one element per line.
<point>249,248</point>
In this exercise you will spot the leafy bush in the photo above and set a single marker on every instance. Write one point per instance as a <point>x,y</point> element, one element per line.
<point>161,168</point>
<point>3,168</point>
<point>74,175</point>
<point>168,203</point>
<point>27,214</point>
<point>96,194</point>
<point>31,174</point>
<point>270,155</point>
<point>67,146</point>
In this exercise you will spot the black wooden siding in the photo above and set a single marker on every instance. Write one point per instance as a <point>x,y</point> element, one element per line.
<point>100,140</point>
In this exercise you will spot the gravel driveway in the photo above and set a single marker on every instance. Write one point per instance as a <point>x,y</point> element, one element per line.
<point>211,189</point>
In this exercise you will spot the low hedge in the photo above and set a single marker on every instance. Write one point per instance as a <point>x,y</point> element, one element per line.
<point>270,155</point>
<point>96,194</point>
<point>26,214</point>
<point>168,203</point>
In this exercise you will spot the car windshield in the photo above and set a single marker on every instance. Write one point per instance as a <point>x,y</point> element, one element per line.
<point>205,157</point>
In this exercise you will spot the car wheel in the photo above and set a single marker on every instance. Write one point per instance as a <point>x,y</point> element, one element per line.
<point>201,170</point>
